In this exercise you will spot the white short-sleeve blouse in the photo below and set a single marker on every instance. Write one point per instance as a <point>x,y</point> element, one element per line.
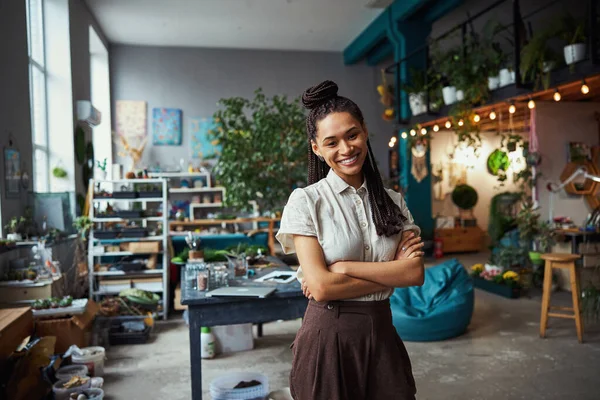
<point>339,216</point>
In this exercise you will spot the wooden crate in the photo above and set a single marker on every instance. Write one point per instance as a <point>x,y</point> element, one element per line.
<point>177,302</point>
<point>15,325</point>
<point>458,240</point>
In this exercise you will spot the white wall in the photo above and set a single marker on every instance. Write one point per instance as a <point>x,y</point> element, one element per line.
<point>558,124</point>
<point>477,175</point>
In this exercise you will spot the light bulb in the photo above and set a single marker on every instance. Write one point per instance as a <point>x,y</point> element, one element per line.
<point>476,118</point>
<point>403,135</point>
<point>448,124</point>
<point>493,115</point>
<point>393,139</point>
<point>391,144</point>
<point>413,132</point>
<point>423,131</point>
<point>557,95</point>
<point>512,109</point>
<point>436,128</point>
<point>585,89</point>
<point>531,104</point>
<point>461,122</point>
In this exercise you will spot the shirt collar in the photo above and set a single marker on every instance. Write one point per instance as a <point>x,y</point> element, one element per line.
<point>339,185</point>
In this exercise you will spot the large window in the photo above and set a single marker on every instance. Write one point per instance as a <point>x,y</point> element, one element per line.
<point>37,93</point>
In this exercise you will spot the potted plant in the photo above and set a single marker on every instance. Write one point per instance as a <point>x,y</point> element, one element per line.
<point>14,228</point>
<point>447,63</point>
<point>417,92</point>
<point>537,60</point>
<point>59,172</point>
<point>490,52</point>
<point>506,284</point>
<point>572,32</point>
<point>465,198</point>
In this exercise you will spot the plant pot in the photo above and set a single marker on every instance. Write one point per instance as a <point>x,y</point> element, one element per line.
<point>493,82</point>
<point>492,287</point>
<point>417,103</point>
<point>490,268</point>
<point>574,53</point>
<point>506,77</point>
<point>449,94</point>
<point>14,237</point>
<point>536,258</point>
<point>460,95</point>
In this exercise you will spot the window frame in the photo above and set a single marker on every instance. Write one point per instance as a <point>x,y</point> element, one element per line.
<point>41,69</point>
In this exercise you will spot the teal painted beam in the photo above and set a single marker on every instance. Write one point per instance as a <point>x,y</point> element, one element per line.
<point>376,31</point>
<point>380,53</point>
<point>439,9</point>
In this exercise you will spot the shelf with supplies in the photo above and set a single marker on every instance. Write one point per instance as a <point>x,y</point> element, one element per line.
<point>128,246</point>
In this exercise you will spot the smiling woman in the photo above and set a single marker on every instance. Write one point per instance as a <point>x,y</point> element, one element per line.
<point>356,241</point>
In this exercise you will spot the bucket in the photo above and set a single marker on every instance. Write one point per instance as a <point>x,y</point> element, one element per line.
<point>222,388</point>
<point>94,394</point>
<point>60,393</point>
<point>66,373</point>
<point>92,358</point>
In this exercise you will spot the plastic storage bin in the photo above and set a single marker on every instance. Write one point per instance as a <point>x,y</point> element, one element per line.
<point>222,388</point>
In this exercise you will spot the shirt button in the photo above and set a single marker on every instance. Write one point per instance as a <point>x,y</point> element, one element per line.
<point>329,306</point>
<point>367,247</point>
<point>364,224</point>
<point>358,202</point>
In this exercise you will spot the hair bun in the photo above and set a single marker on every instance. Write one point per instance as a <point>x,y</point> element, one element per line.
<point>317,95</point>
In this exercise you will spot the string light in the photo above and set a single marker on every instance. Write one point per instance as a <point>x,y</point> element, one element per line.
<point>493,115</point>
<point>557,95</point>
<point>476,118</point>
<point>585,89</point>
<point>531,104</point>
<point>512,109</point>
<point>448,124</point>
<point>393,139</point>
<point>436,128</point>
<point>391,144</point>
<point>413,132</point>
<point>403,135</point>
<point>423,131</point>
<point>461,122</point>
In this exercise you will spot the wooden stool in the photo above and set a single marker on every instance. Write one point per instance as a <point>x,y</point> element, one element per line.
<point>560,261</point>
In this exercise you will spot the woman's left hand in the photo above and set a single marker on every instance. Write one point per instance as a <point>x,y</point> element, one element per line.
<point>305,290</point>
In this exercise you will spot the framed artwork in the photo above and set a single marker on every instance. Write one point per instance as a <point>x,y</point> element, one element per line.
<point>166,127</point>
<point>203,144</point>
<point>12,172</point>
<point>131,118</point>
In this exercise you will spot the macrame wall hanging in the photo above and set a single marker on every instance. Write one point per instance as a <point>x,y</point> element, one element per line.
<point>419,165</point>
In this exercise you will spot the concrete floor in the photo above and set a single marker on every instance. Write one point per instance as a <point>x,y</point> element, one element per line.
<point>500,357</point>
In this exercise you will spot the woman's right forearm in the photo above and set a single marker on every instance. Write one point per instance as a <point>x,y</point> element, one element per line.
<point>340,287</point>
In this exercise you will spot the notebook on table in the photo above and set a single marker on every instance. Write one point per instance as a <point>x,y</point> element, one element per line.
<point>241,291</point>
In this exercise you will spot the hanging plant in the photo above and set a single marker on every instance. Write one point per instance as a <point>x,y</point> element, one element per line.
<point>465,197</point>
<point>59,172</point>
<point>498,163</point>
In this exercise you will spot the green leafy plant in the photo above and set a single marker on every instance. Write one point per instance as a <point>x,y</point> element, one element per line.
<point>59,172</point>
<point>15,224</point>
<point>83,224</point>
<point>464,196</point>
<point>569,29</point>
<point>537,58</point>
<point>264,150</point>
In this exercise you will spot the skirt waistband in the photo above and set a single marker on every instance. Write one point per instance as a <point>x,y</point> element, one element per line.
<point>363,307</point>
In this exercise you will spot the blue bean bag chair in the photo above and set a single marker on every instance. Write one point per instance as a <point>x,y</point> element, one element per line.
<point>438,310</point>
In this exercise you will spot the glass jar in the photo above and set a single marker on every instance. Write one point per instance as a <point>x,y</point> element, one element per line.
<point>190,276</point>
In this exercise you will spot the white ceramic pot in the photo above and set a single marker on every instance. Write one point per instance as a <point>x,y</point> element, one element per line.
<point>14,237</point>
<point>493,82</point>
<point>449,95</point>
<point>505,77</point>
<point>513,77</point>
<point>574,53</point>
<point>417,103</point>
<point>460,95</point>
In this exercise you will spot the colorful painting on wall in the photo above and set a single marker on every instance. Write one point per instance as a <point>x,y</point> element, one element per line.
<point>204,145</point>
<point>131,118</point>
<point>166,127</point>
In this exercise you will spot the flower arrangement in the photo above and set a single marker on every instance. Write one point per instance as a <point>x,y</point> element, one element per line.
<point>508,278</point>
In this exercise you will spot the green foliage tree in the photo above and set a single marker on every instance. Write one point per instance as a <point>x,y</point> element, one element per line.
<point>264,150</point>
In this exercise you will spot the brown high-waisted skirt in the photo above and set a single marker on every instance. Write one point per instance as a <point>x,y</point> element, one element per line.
<point>349,350</point>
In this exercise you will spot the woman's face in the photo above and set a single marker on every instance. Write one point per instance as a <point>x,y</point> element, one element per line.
<point>342,141</point>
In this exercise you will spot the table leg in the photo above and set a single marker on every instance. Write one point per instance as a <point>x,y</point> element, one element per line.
<point>259,330</point>
<point>574,244</point>
<point>195,353</point>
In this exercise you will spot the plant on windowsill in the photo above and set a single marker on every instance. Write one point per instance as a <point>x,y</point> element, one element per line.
<point>14,227</point>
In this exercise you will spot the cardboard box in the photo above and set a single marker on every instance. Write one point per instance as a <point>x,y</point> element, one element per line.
<point>142,247</point>
<point>15,325</point>
<point>177,302</point>
<point>75,330</point>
